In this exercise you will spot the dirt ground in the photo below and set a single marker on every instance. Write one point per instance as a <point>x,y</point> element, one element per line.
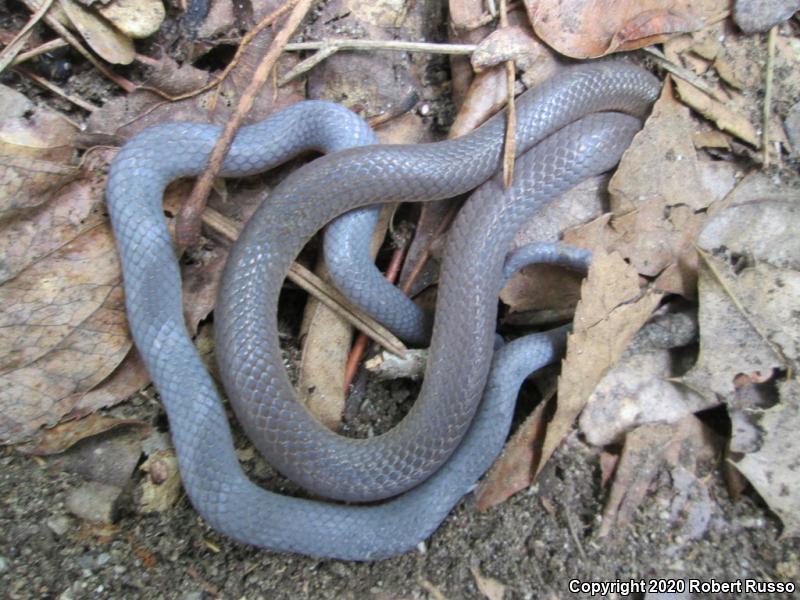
<point>534,544</point>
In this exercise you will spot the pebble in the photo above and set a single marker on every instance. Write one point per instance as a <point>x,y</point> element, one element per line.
<point>103,558</point>
<point>58,525</point>
<point>792,126</point>
<point>3,564</point>
<point>754,16</point>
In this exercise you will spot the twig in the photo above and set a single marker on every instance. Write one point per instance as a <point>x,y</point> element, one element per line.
<point>53,23</point>
<point>326,48</point>
<point>426,253</point>
<point>321,290</point>
<point>771,38</point>
<point>510,143</point>
<point>188,221</point>
<point>350,44</point>
<point>53,44</point>
<point>13,48</point>
<point>56,90</point>
<point>360,345</point>
<point>684,74</point>
<point>243,43</point>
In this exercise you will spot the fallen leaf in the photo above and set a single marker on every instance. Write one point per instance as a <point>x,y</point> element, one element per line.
<point>491,588</point>
<point>747,324</point>
<point>683,448</point>
<point>105,39</point>
<point>135,18</point>
<point>513,470</point>
<point>36,152</point>
<point>611,311</point>
<point>772,468</point>
<point>592,28</point>
<point>661,162</point>
<point>160,490</point>
<point>727,119</point>
<point>543,286</point>
<point>65,435</point>
<point>761,15</point>
<point>515,43</point>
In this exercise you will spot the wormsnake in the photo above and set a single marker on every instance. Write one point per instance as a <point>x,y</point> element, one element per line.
<point>246,324</point>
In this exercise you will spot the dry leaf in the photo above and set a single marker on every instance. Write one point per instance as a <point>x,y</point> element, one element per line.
<point>326,346</point>
<point>748,324</point>
<point>544,286</point>
<point>515,43</point>
<point>62,437</point>
<point>682,447</point>
<point>726,118</point>
<point>488,586</point>
<point>635,392</point>
<point>513,470</point>
<point>36,152</point>
<point>110,43</point>
<point>761,15</point>
<point>160,490</point>
<point>611,311</point>
<point>135,18</point>
<point>661,162</point>
<point>592,28</point>
<point>772,468</point>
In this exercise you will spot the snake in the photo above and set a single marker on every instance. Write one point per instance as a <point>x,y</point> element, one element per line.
<point>575,125</point>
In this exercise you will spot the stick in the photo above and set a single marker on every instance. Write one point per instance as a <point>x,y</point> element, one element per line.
<point>321,290</point>
<point>773,34</point>
<point>56,90</point>
<point>189,219</point>
<point>510,142</point>
<point>14,46</point>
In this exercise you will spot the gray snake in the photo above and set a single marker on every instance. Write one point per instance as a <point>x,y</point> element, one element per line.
<point>417,452</point>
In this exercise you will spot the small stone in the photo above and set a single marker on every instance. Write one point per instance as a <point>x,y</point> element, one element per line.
<point>103,559</point>
<point>754,16</point>
<point>58,525</point>
<point>94,501</point>
<point>792,126</point>
<point>3,564</point>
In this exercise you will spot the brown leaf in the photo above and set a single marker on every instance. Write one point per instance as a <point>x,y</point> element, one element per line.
<point>661,162</point>
<point>727,119</point>
<point>513,470</point>
<point>491,588</point>
<point>135,18</point>
<point>64,331</point>
<point>62,437</point>
<point>515,43</point>
<point>543,286</point>
<point>772,468</point>
<point>105,39</point>
<point>611,311</point>
<point>36,152</point>
<point>592,28</point>
<point>31,235</point>
<point>682,447</point>
<point>748,323</point>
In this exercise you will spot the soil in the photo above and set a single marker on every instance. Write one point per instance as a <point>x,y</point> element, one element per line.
<point>534,544</point>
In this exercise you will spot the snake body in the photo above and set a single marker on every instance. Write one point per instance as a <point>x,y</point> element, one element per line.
<point>247,340</point>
